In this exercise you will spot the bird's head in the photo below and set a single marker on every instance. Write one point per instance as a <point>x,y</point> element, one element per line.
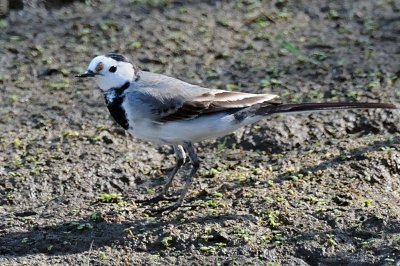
<point>111,71</point>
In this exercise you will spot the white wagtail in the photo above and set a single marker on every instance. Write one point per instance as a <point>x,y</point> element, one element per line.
<point>166,110</point>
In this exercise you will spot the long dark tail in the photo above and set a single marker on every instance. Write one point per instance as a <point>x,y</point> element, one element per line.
<point>310,107</point>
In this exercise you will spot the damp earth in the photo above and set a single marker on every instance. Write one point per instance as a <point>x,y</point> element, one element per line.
<point>307,189</point>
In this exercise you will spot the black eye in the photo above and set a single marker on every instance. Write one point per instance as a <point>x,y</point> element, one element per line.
<point>113,69</point>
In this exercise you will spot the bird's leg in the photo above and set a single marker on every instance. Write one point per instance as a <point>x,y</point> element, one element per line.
<point>180,160</point>
<point>195,166</point>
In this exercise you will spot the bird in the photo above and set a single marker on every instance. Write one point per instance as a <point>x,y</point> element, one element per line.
<point>168,111</point>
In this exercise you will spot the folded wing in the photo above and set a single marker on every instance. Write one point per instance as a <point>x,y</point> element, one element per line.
<point>217,101</point>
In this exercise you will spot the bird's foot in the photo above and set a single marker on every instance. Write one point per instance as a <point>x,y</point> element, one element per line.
<point>158,198</point>
<point>164,195</point>
<point>168,209</point>
<point>173,207</point>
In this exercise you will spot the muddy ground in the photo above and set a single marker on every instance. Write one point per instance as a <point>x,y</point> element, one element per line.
<point>314,189</point>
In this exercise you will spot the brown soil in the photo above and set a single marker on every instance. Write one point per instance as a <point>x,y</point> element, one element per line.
<point>316,189</point>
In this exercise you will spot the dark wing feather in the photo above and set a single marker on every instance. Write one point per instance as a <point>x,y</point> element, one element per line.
<point>188,110</point>
<point>217,101</point>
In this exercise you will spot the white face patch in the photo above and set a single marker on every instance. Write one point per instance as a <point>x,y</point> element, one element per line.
<point>107,79</point>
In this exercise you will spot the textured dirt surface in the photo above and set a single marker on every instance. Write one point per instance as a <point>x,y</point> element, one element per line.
<point>314,189</point>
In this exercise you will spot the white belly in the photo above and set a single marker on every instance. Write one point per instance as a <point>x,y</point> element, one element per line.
<point>177,132</point>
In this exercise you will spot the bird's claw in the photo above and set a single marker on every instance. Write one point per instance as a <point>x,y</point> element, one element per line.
<point>167,209</point>
<point>158,198</point>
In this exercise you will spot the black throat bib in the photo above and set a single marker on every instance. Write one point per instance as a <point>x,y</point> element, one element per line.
<point>114,99</point>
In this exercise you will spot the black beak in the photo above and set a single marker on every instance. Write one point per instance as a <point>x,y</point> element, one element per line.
<point>87,74</point>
